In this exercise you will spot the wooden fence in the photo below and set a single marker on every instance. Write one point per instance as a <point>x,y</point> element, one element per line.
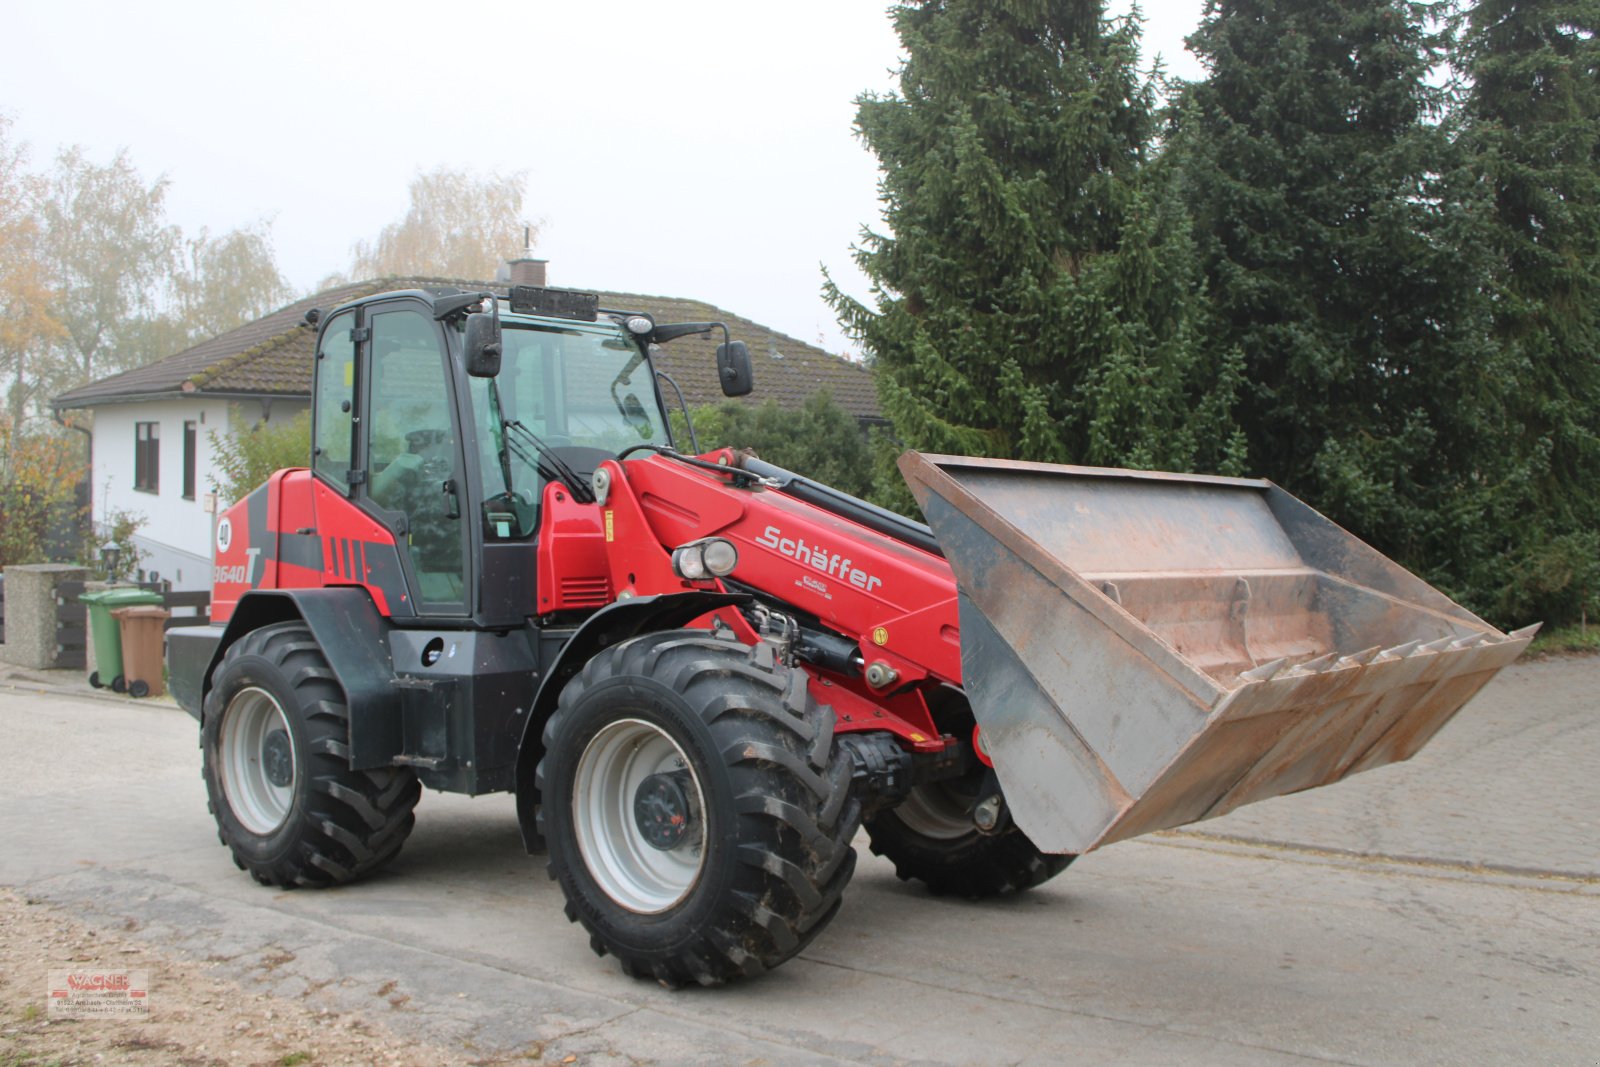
<point>72,630</point>
<point>188,609</point>
<point>195,607</point>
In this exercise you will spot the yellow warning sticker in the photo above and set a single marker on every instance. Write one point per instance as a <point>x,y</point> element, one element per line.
<point>880,636</point>
<point>610,535</point>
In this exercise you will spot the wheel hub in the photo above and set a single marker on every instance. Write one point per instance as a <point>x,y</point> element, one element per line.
<point>639,816</point>
<point>277,762</point>
<point>255,761</point>
<point>661,809</point>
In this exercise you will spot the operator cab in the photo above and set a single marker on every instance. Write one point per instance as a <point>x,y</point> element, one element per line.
<point>445,423</point>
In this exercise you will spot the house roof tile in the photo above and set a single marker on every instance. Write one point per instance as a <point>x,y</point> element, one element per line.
<point>787,370</point>
<point>272,356</point>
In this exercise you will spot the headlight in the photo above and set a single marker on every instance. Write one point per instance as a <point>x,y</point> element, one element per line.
<point>721,557</point>
<point>699,560</point>
<point>690,563</point>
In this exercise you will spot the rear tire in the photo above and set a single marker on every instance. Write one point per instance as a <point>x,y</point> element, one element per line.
<point>931,837</point>
<point>697,812</point>
<point>276,763</point>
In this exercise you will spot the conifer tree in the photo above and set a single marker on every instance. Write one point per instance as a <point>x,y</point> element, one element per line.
<point>1033,290</point>
<point>1532,125</point>
<point>1331,212</point>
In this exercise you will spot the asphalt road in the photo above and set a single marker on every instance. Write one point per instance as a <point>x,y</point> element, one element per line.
<point>1443,911</point>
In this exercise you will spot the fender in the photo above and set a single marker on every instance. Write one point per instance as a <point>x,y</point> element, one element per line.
<point>355,639</point>
<point>609,626</point>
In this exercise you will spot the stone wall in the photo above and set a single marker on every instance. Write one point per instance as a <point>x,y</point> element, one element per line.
<point>36,610</point>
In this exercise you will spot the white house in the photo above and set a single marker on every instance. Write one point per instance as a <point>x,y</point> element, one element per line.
<point>153,431</point>
<point>155,459</point>
<point>155,426</point>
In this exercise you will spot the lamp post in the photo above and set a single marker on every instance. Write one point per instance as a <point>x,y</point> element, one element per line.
<point>110,552</point>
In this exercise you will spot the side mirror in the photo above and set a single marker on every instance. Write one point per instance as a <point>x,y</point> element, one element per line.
<point>481,347</point>
<point>635,413</point>
<point>632,410</point>
<point>734,368</point>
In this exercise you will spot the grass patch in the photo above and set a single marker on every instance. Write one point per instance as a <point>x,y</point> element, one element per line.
<point>1566,640</point>
<point>294,1058</point>
<point>24,1059</point>
<point>30,1012</point>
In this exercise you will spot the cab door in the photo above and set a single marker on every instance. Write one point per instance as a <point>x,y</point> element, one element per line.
<point>414,471</point>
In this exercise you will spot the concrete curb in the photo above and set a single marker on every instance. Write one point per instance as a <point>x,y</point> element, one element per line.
<point>72,682</point>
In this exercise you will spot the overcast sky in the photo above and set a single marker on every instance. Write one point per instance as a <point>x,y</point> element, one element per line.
<point>699,149</point>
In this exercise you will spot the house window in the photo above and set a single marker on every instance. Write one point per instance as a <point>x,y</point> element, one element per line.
<point>188,460</point>
<point>147,456</point>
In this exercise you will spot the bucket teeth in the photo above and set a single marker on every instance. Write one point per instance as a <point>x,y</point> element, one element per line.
<point>1265,671</point>
<point>1359,659</point>
<point>1470,641</point>
<point>1398,651</point>
<point>1436,646</point>
<point>1312,666</point>
<point>1526,632</point>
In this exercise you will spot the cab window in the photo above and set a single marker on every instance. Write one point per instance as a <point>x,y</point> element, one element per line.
<point>336,371</point>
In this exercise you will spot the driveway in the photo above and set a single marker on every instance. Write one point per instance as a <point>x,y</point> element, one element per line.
<point>1442,911</point>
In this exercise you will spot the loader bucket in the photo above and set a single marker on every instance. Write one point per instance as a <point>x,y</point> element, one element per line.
<point>1145,650</point>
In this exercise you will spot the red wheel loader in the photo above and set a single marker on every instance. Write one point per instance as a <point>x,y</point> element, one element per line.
<point>700,674</point>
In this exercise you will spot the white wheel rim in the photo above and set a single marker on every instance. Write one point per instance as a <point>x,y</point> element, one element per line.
<point>934,811</point>
<point>251,756</point>
<point>628,868</point>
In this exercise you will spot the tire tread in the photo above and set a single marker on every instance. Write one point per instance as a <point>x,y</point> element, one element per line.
<point>793,808</point>
<point>353,822</point>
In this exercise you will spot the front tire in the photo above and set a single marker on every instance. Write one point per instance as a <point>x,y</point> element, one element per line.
<point>276,763</point>
<point>697,813</point>
<point>930,836</point>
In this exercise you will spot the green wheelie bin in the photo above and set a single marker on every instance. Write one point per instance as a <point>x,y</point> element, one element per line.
<point>105,632</point>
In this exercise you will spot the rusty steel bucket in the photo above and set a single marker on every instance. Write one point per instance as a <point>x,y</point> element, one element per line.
<point>1145,650</point>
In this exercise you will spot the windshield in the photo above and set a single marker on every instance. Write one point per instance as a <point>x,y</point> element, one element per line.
<point>582,391</point>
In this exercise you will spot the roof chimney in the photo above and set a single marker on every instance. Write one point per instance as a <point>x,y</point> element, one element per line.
<point>528,270</point>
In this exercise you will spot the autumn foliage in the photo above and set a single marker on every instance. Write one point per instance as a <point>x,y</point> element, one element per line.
<point>38,473</point>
